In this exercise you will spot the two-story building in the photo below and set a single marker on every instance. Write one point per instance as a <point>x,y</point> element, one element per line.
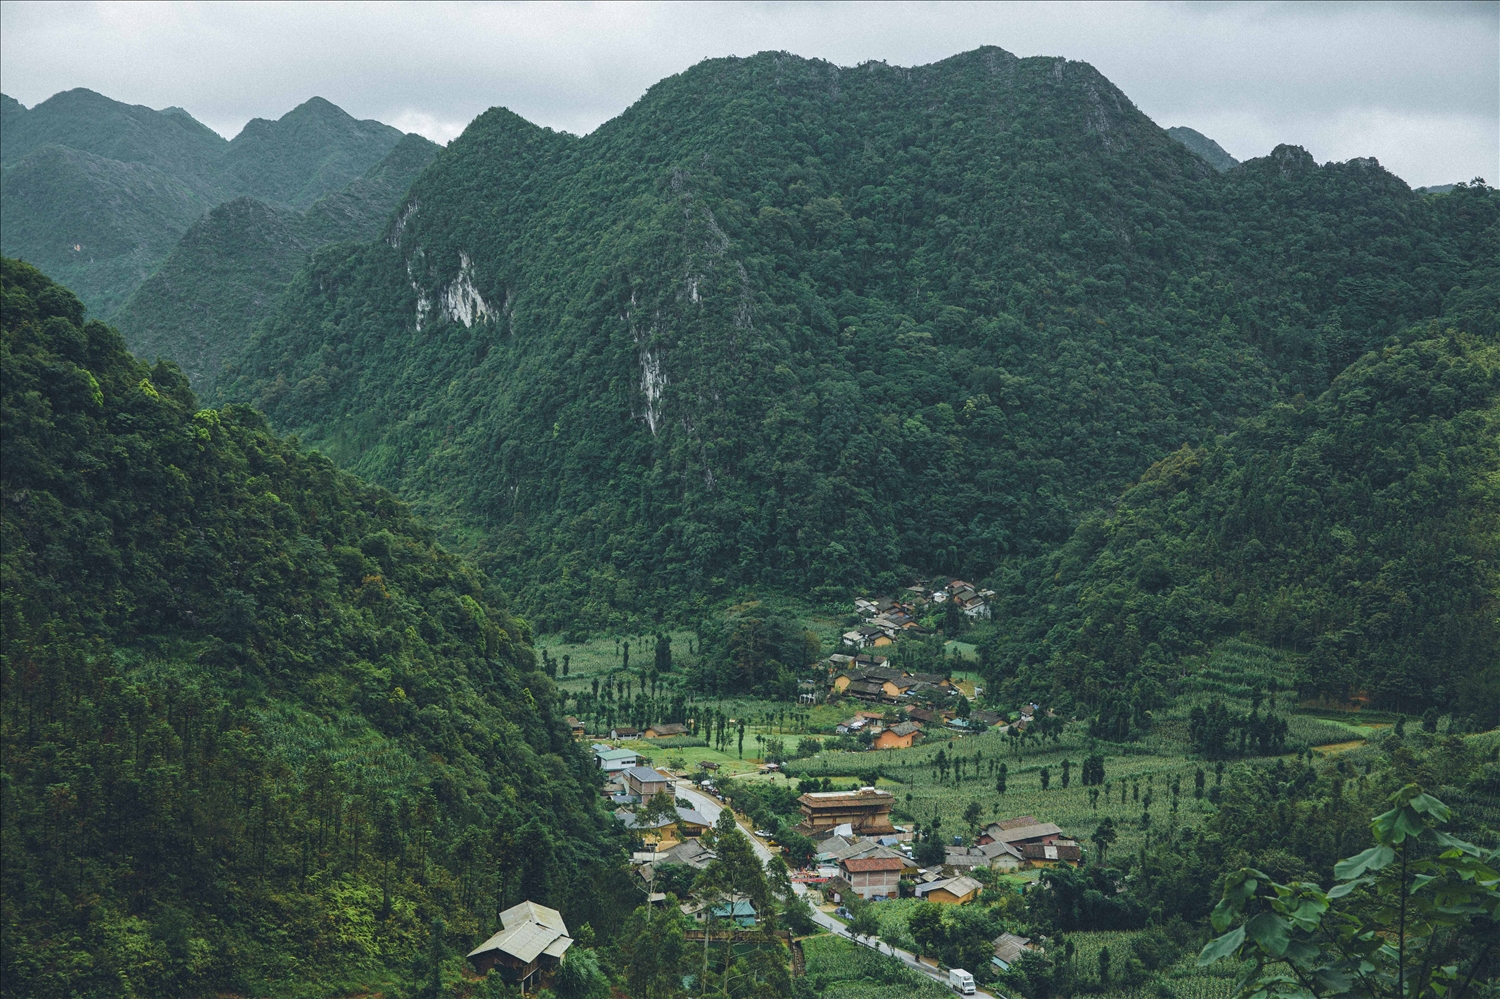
<point>642,783</point>
<point>873,877</point>
<point>866,811</point>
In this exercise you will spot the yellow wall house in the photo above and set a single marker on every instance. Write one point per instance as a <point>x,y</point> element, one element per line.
<point>954,891</point>
<point>898,736</point>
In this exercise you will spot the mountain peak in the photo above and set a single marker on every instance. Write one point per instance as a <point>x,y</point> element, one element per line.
<point>1205,148</point>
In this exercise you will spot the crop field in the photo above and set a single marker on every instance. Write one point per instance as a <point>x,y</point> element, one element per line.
<point>845,970</point>
<point>921,795</point>
<point>1184,978</point>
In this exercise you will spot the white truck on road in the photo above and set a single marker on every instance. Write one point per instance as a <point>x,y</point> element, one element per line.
<point>961,981</point>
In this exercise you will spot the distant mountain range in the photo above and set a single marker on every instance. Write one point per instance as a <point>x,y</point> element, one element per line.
<point>784,324</point>
<point>793,325</point>
<point>1211,151</point>
<point>99,193</point>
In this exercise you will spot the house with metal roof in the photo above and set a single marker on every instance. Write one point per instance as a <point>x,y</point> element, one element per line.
<point>531,942</point>
<point>614,760</point>
<point>1009,948</point>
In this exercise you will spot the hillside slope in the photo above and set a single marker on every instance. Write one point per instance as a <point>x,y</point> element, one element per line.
<point>97,191</point>
<point>98,222</point>
<point>1212,153</point>
<point>1361,529</point>
<point>227,271</point>
<point>260,732</point>
<point>789,324</point>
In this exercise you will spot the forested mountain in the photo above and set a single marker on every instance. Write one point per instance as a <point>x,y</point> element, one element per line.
<point>260,736</point>
<point>227,271</point>
<point>815,328</point>
<point>98,192</point>
<point>1213,153</point>
<point>1362,528</point>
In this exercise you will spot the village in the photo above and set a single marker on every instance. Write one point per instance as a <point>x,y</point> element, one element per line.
<point>884,619</point>
<point>857,855</point>
<point>842,849</point>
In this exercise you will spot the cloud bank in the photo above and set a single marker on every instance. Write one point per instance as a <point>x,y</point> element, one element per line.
<point>1415,85</point>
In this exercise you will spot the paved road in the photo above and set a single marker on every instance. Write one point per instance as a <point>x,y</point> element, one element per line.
<point>710,809</point>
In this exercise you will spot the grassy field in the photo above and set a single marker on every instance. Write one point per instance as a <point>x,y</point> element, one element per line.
<point>1151,763</point>
<point>602,656</point>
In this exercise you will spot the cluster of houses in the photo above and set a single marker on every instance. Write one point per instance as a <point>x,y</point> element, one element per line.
<point>661,730</point>
<point>885,619</point>
<point>1016,843</point>
<point>914,700</point>
<point>861,853</point>
<point>859,850</point>
<point>872,678</point>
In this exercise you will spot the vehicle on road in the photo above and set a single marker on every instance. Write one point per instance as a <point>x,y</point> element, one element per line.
<point>961,981</point>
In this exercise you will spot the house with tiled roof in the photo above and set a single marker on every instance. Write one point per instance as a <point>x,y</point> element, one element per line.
<point>899,736</point>
<point>1052,854</point>
<point>873,877</point>
<point>950,891</point>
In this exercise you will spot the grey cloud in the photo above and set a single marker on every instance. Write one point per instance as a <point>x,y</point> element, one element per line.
<point>1416,85</point>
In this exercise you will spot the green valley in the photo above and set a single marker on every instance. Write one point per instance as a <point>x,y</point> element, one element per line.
<point>828,532</point>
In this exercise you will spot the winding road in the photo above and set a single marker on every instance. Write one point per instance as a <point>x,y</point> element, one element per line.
<point>710,810</point>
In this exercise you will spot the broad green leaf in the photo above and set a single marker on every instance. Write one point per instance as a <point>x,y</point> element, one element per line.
<point>1339,891</point>
<point>1309,914</point>
<point>1224,946</point>
<point>1270,931</point>
<point>1428,805</point>
<point>1373,859</point>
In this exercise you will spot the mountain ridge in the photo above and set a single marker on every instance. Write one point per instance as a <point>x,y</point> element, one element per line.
<point>224,274</point>
<point>314,150</point>
<point>1211,152</point>
<point>703,346</point>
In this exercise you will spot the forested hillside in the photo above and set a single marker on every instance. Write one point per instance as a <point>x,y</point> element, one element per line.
<point>1361,529</point>
<point>813,328</point>
<point>228,270</point>
<point>260,734</point>
<point>98,192</point>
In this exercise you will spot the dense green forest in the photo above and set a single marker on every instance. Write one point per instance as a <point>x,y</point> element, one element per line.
<point>260,735</point>
<point>98,192</point>
<point>787,325</point>
<point>1224,439</point>
<point>228,270</point>
<point>1361,529</point>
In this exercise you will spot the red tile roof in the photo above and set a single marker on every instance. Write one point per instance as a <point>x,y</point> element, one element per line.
<point>861,864</point>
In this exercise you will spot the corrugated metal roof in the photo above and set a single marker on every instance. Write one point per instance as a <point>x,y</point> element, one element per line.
<point>532,912</point>
<point>530,930</point>
<point>1028,832</point>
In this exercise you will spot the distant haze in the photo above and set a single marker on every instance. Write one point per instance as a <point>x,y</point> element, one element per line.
<point>1415,85</point>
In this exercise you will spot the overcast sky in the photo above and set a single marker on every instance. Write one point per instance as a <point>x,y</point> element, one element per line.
<point>1417,86</point>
